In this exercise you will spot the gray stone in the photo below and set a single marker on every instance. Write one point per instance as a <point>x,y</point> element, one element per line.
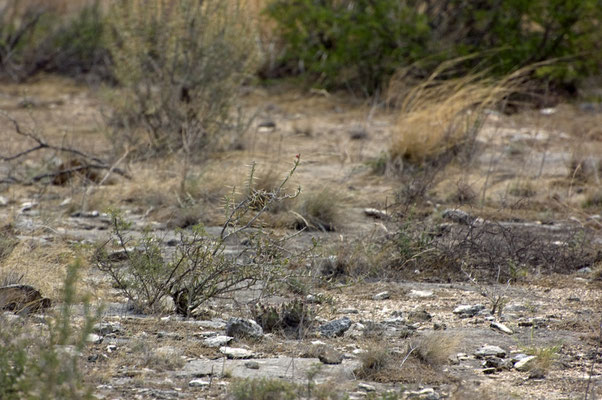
<point>348,311</point>
<point>198,383</point>
<point>335,328</point>
<point>424,394</point>
<point>213,324</point>
<point>468,310</point>
<point>295,369</point>
<point>241,328</point>
<point>3,201</point>
<point>523,365</point>
<point>420,293</point>
<point>217,341</point>
<point>328,355</point>
<point>85,214</point>
<point>94,338</point>
<point>489,371</point>
<point>366,387</point>
<point>236,353</point>
<point>501,327</point>
<point>419,316</point>
<point>490,351</point>
<point>252,364</point>
<point>381,296</point>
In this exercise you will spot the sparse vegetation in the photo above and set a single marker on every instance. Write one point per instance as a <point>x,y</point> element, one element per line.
<point>179,65</point>
<point>265,389</point>
<point>435,348</point>
<point>43,361</point>
<point>319,210</point>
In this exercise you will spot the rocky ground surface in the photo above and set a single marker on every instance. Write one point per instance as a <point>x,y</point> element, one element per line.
<point>551,315</point>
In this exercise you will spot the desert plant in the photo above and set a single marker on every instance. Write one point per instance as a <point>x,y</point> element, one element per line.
<point>361,43</point>
<point>45,364</point>
<point>38,36</point>
<point>293,316</point>
<point>435,348</point>
<point>180,65</point>
<point>374,360</point>
<point>265,389</point>
<point>199,269</point>
<point>319,210</point>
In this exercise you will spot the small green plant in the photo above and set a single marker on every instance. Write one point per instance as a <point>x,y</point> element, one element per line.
<point>265,389</point>
<point>44,363</point>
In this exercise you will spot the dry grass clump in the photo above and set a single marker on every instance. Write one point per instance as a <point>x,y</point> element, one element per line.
<point>434,349</point>
<point>463,193</point>
<point>374,361</point>
<point>583,168</point>
<point>320,210</point>
<point>441,116</point>
<point>593,200</point>
<point>522,188</point>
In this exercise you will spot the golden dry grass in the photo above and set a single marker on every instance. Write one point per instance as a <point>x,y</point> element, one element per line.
<point>437,115</point>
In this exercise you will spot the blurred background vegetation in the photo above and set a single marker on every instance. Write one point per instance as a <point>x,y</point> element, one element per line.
<point>332,44</point>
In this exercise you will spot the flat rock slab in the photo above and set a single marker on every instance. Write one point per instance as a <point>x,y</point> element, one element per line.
<point>272,368</point>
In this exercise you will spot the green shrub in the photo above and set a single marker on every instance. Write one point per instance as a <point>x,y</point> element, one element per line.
<point>180,65</point>
<point>36,37</point>
<point>362,42</point>
<point>42,362</point>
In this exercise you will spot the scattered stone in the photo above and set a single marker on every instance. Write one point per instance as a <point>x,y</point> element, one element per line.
<point>236,353</point>
<point>198,383</point>
<point>574,298</point>
<point>366,387</point>
<point>547,111</point>
<point>266,126</point>
<point>85,214</point>
<point>241,328</point>
<point>523,365</point>
<point>489,371</point>
<point>313,299</point>
<point>497,363</point>
<point>106,328</point>
<point>217,341</point>
<point>3,201</point>
<point>22,299</point>
<point>375,213</point>
<point>111,348</point>
<point>468,310</point>
<point>27,206</point>
<point>335,328</point>
<point>94,338</point>
<point>490,351</point>
<point>537,373</point>
<point>348,311</point>
<point>381,296</point>
<point>328,355</point>
<point>252,364</point>
<point>584,270</point>
<point>458,216</point>
<point>395,321</point>
<point>501,327</point>
<point>420,293</point>
<point>213,324</point>
<point>424,394</point>
<point>439,326</point>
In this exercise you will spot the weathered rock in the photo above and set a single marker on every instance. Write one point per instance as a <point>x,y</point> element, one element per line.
<point>22,299</point>
<point>335,328</point>
<point>524,364</point>
<point>198,383</point>
<point>489,371</point>
<point>85,214</point>
<point>424,394</point>
<point>420,293</point>
<point>468,310</point>
<point>252,364</point>
<point>375,213</point>
<point>497,363</point>
<point>213,324</point>
<point>501,327</point>
<point>106,328</point>
<point>94,338</point>
<point>328,355</point>
<point>381,296</point>
<point>241,328</point>
<point>490,351</point>
<point>217,341</point>
<point>236,353</point>
<point>3,201</point>
<point>366,387</point>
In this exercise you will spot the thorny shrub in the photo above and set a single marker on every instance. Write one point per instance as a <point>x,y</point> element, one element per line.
<point>198,269</point>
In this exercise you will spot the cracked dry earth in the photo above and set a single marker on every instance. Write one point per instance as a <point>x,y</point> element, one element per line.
<point>168,357</point>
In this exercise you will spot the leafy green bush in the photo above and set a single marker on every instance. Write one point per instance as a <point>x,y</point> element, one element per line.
<point>42,362</point>
<point>362,42</point>
<point>180,65</point>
